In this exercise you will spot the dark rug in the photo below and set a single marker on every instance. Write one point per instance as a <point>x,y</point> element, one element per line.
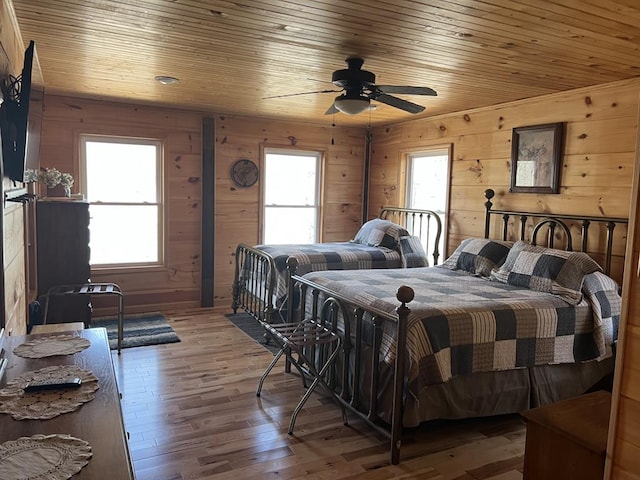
<point>138,331</point>
<point>252,328</point>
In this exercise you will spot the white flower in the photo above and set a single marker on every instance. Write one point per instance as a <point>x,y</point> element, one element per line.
<point>30,176</point>
<point>51,177</point>
<point>66,179</point>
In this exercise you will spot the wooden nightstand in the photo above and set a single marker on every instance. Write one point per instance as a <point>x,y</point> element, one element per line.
<point>568,439</point>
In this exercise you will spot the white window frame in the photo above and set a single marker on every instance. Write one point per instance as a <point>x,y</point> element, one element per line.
<point>83,139</point>
<point>433,151</point>
<point>319,155</point>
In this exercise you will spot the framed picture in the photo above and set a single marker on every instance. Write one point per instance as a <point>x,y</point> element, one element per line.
<point>536,153</point>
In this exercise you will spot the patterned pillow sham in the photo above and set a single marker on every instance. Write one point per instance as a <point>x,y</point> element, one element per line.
<point>601,292</point>
<point>478,255</point>
<point>380,233</point>
<point>411,252</point>
<point>546,270</point>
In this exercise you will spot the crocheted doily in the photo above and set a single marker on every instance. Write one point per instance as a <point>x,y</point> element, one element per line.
<point>46,404</point>
<point>48,346</point>
<point>40,457</point>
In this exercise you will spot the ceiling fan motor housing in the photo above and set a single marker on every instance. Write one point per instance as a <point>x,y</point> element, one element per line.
<point>353,77</point>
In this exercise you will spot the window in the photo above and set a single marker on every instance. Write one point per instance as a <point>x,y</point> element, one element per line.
<point>291,196</point>
<point>428,185</point>
<point>122,180</point>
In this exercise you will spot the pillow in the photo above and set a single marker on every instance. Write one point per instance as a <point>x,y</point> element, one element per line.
<point>412,253</point>
<point>597,282</point>
<point>380,233</point>
<point>546,270</point>
<point>478,255</point>
<point>602,294</point>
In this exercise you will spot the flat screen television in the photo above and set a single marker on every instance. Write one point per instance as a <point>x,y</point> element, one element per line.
<point>20,122</point>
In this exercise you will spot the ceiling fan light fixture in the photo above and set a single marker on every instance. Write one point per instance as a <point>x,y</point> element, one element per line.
<point>351,105</point>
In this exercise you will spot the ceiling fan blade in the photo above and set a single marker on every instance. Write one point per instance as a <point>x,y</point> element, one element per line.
<point>399,103</point>
<point>407,90</point>
<point>301,93</point>
<point>317,80</point>
<point>332,109</point>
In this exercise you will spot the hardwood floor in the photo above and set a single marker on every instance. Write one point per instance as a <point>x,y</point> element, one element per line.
<point>191,411</point>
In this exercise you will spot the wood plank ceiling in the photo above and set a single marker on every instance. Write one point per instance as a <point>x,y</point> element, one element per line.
<point>230,55</point>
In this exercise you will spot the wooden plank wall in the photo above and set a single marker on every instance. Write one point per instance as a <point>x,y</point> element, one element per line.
<point>597,165</point>
<point>177,282</point>
<point>13,243</point>
<point>236,209</point>
<point>623,453</point>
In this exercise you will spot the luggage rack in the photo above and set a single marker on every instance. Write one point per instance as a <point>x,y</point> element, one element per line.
<point>306,339</point>
<point>89,289</point>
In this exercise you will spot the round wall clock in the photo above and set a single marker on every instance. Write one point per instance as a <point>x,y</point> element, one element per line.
<point>244,173</point>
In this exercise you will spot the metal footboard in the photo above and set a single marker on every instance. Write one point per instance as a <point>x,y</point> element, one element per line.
<point>254,283</point>
<point>361,332</point>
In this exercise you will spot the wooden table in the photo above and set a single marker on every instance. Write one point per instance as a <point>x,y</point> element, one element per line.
<point>99,421</point>
<point>567,440</point>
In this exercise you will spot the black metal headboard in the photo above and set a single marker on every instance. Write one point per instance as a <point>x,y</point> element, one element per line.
<point>553,222</point>
<point>425,224</point>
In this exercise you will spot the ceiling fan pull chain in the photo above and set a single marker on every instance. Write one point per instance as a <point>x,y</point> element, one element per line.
<point>333,128</point>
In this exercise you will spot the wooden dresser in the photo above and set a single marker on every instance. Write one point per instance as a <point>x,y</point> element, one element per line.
<point>567,440</point>
<point>99,421</point>
<point>63,256</point>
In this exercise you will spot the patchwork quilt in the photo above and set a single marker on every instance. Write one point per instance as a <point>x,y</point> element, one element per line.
<point>460,323</point>
<point>327,256</point>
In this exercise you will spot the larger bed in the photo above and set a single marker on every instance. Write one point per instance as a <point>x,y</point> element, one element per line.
<point>500,327</point>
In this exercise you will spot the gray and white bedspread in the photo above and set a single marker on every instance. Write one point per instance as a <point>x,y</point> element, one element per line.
<point>461,324</point>
<point>328,256</point>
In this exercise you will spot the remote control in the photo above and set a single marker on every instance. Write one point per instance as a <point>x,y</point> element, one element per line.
<point>53,384</point>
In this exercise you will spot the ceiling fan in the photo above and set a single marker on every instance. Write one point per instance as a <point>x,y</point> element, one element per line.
<point>359,88</point>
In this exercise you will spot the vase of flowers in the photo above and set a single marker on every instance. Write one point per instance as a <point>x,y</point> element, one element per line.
<point>58,184</point>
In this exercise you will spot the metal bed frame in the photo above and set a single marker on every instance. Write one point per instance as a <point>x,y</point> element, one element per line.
<point>419,223</point>
<point>369,319</point>
<point>556,226</point>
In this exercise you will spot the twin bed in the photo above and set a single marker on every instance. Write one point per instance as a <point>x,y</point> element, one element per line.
<point>500,327</point>
<point>398,238</point>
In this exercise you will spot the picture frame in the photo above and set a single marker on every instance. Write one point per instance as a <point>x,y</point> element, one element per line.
<point>536,153</point>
